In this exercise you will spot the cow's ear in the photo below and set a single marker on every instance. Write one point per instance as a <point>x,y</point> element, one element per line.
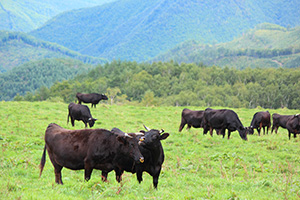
<point>122,139</point>
<point>164,136</point>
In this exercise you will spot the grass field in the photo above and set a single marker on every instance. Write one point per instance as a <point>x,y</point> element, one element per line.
<point>196,166</point>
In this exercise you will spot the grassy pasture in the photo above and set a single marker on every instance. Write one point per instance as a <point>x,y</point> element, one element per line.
<point>196,166</point>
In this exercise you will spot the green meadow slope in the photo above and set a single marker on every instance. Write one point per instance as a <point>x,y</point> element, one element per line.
<point>196,166</point>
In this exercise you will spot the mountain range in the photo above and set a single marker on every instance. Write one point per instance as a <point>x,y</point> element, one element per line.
<point>140,30</point>
<point>267,45</point>
<point>26,15</point>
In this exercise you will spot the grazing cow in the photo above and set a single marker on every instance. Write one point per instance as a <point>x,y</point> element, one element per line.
<point>193,118</point>
<point>151,149</point>
<point>93,98</point>
<point>80,112</point>
<point>260,120</point>
<point>280,121</point>
<point>87,149</point>
<point>223,119</point>
<point>293,125</point>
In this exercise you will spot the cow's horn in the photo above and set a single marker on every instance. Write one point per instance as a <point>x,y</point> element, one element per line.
<point>90,119</point>
<point>162,130</point>
<point>139,133</point>
<point>148,129</point>
<point>126,135</point>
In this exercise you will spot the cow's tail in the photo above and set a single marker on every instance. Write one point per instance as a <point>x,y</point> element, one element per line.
<point>68,118</point>
<point>43,161</point>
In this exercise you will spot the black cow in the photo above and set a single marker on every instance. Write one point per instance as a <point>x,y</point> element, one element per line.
<point>280,121</point>
<point>193,118</point>
<point>223,119</point>
<point>260,120</point>
<point>87,149</point>
<point>293,125</point>
<point>151,149</point>
<point>93,98</point>
<point>80,112</point>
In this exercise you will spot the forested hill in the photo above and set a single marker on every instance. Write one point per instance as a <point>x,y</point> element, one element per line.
<point>17,48</point>
<point>26,15</point>
<point>173,84</point>
<point>37,74</point>
<point>139,30</point>
<point>267,45</point>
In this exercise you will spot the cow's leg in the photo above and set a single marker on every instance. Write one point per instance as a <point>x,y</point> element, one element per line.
<point>274,127</point>
<point>57,168</point>
<point>289,135</point>
<point>264,128</point>
<point>119,175</point>
<point>258,130</point>
<point>72,121</point>
<point>155,178</point>
<point>211,131</point>
<point>139,175</point>
<point>268,128</point>
<point>223,132</point>
<point>57,171</point>
<point>88,169</point>
<point>188,127</point>
<point>205,130</point>
<point>229,134</point>
<point>182,124</point>
<point>104,176</point>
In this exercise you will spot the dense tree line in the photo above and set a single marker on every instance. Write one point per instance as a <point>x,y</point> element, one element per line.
<point>183,84</point>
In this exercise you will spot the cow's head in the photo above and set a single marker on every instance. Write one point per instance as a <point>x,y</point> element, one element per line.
<point>152,137</point>
<point>243,133</point>
<point>104,97</point>
<point>130,146</point>
<point>91,121</point>
<point>250,130</point>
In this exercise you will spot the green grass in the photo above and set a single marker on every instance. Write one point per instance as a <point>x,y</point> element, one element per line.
<point>196,166</point>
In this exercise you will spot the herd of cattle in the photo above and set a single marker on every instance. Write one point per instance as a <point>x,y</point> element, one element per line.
<point>102,149</point>
<point>222,119</point>
<point>109,150</point>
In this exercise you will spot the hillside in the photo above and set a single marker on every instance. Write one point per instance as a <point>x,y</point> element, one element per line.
<point>139,30</point>
<point>17,48</point>
<point>267,45</point>
<point>34,75</point>
<point>27,15</point>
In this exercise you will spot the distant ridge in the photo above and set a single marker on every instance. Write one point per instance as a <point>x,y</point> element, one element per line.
<point>26,15</point>
<point>17,48</point>
<point>140,30</point>
<point>267,45</point>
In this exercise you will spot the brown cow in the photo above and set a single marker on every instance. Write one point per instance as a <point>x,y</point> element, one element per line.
<point>260,120</point>
<point>92,98</point>
<point>87,149</point>
<point>193,118</point>
<point>280,121</point>
<point>293,125</point>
